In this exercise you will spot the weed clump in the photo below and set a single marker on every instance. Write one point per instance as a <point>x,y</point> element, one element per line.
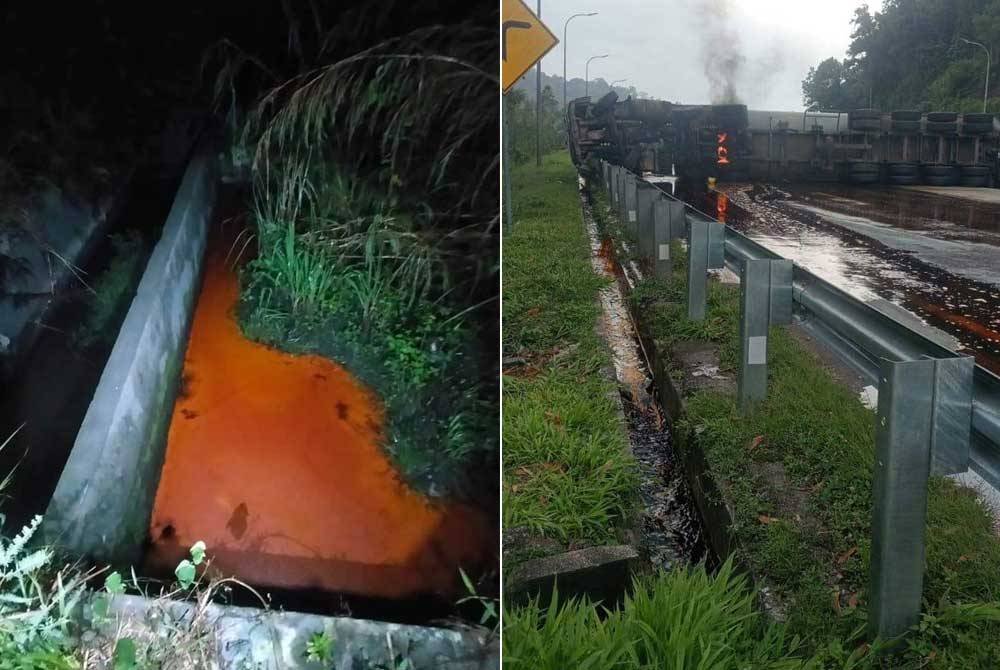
<point>374,218</point>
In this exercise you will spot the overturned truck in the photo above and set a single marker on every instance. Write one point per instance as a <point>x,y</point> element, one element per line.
<point>693,141</point>
<point>730,143</point>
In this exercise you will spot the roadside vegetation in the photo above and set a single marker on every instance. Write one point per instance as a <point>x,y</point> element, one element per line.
<point>910,55</point>
<point>569,480</point>
<point>373,225</point>
<point>59,615</point>
<point>112,290</point>
<point>798,473</point>
<point>678,620</point>
<point>521,124</point>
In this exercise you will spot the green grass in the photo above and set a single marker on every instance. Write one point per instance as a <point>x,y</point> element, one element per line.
<point>823,438</point>
<point>679,620</point>
<point>113,291</point>
<point>567,472</point>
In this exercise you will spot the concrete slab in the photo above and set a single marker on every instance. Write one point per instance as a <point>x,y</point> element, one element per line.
<point>600,573</point>
<point>235,638</point>
<point>102,503</point>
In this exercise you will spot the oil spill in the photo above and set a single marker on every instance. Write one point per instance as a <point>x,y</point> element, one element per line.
<point>671,531</point>
<point>273,460</point>
<point>796,225</point>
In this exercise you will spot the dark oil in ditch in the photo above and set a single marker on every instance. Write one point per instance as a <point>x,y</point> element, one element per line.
<point>273,460</point>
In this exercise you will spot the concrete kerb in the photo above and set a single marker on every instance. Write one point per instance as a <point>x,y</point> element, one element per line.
<point>245,637</point>
<point>104,497</point>
<point>601,572</point>
<point>715,511</point>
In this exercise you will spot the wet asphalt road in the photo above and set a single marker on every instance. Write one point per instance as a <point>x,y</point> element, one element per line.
<point>933,255</point>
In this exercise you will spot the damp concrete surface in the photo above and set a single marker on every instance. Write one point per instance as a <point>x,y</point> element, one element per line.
<point>933,255</point>
<point>670,529</point>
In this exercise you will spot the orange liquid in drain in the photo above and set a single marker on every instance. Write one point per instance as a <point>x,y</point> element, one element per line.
<point>273,461</point>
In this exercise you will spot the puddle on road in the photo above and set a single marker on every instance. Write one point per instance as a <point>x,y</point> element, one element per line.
<point>867,268</point>
<point>274,461</point>
<point>945,217</point>
<point>671,529</point>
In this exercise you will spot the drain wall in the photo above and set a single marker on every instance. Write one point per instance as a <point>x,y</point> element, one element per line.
<point>102,503</point>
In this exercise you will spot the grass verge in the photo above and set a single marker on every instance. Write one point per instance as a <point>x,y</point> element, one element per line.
<point>798,473</point>
<point>676,620</point>
<point>568,476</point>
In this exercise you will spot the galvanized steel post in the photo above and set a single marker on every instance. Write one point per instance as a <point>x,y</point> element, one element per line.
<point>765,300</point>
<point>902,466</point>
<point>706,249</point>
<point>631,191</point>
<point>645,196</point>
<point>662,265</point>
<point>914,397</point>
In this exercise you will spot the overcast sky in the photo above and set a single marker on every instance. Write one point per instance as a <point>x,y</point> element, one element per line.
<point>664,46</point>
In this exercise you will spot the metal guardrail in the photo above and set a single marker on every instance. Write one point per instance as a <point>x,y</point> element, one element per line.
<point>862,336</point>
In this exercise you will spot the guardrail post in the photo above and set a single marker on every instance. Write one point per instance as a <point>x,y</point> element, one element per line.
<point>631,191</point>
<point>765,300</point>
<point>917,400</point>
<point>645,196</point>
<point>678,220</point>
<point>613,186</point>
<point>661,234</point>
<point>608,185</point>
<point>706,249</point>
<point>622,218</point>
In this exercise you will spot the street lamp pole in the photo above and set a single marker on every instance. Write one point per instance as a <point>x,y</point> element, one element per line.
<point>989,59</point>
<point>586,76</point>
<point>565,26</point>
<point>538,104</point>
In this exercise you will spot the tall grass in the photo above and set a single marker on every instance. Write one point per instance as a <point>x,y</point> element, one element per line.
<point>678,620</point>
<point>38,598</point>
<point>375,204</point>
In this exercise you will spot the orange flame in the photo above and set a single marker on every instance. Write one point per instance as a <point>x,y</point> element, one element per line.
<point>722,152</point>
<point>721,205</point>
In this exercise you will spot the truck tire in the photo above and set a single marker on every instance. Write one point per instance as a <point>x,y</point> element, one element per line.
<point>975,181</point>
<point>863,178</point>
<point>977,118</point>
<point>865,114</point>
<point>975,171</point>
<point>905,115</point>
<point>906,126</point>
<point>903,169</point>
<point>865,125</point>
<point>942,117</point>
<point>938,170</point>
<point>903,180</point>
<point>939,181</point>
<point>942,127</point>
<point>977,128</point>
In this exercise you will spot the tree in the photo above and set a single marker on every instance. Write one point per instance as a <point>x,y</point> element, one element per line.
<point>910,56</point>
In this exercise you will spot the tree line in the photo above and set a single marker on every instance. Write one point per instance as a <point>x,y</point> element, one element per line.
<point>911,55</point>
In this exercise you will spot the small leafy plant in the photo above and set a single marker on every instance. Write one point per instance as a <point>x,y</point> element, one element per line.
<point>319,647</point>
<point>489,615</point>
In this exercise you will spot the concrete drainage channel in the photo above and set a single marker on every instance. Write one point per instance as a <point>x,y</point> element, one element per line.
<point>103,502</point>
<point>669,531</point>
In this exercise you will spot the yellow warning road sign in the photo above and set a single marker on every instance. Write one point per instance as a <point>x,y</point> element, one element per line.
<point>524,39</point>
